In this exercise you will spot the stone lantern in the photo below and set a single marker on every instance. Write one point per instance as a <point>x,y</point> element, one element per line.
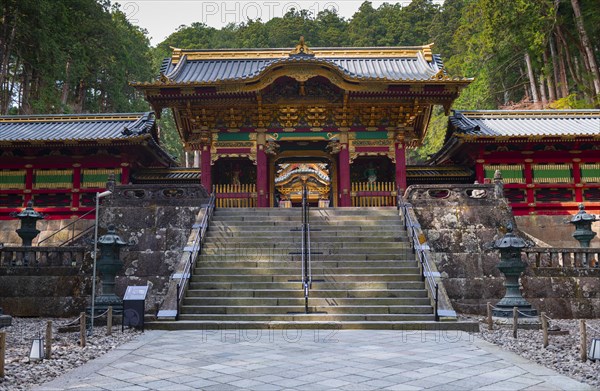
<point>583,227</point>
<point>29,218</point>
<point>109,264</point>
<point>511,266</point>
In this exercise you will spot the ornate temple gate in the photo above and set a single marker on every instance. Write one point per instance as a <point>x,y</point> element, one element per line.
<point>347,104</point>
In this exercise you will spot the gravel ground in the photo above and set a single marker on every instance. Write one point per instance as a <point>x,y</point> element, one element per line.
<point>562,353</point>
<point>21,374</point>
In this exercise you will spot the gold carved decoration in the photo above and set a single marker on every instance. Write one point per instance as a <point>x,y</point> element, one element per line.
<point>390,155</point>
<point>334,147</point>
<point>316,116</point>
<point>234,118</point>
<point>272,148</point>
<point>301,49</point>
<point>372,143</point>
<point>288,116</point>
<point>234,144</point>
<point>302,72</point>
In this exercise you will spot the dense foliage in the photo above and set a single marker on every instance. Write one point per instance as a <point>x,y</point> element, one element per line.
<point>77,55</point>
<point>70,56</point>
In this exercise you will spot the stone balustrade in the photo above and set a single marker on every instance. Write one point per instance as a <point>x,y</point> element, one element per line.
<point>573,258</point>
<point>12,257</point>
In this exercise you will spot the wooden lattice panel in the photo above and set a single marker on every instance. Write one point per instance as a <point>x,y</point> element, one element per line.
<point>12,179</point>
<point>590,172</point>
<point>552,173</point>
<point>511,173</point>
<point>97,178</point>
<point>53,179</point>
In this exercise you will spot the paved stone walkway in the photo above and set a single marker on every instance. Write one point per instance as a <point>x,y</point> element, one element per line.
<point>311,360</point>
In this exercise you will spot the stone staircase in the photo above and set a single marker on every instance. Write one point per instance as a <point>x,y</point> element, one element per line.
<point>364,273</point>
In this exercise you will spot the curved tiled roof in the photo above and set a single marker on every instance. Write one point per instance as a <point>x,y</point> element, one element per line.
<point>85,127</point>
<point>391,69</point>
<point>526,123</point>
<point>387,64</point>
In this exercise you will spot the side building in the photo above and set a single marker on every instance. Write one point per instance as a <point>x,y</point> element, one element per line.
<point>60,161</point>
<point>549,159</point>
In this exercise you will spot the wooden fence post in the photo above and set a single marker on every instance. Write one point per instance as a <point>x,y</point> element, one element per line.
<point>489,316</point>
<point>48,339</point>
<point>2,352</point>
<point>82,329</point>
<point>545,329</point>
<point>109,321</point>
<point>515,321</point>
<point>583,340</point>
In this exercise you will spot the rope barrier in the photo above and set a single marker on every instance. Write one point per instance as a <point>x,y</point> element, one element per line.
<point>558,321</point>
<point>102,314</point>
<point>592,328</point>
<point>527,315</point>
<point>470,305</point>
<point>76,320</point>
<point>70,323</point>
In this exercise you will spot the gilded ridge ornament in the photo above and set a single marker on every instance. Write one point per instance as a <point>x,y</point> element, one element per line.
<point>301,49</point>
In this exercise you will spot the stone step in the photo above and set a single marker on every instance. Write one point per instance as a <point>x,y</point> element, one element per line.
<point>289,271</point>
<point>364,272</point>
<point>357,219</point>
<point>362,224</point>
<point>281,232</point>
<point>285,256</point>
<point>316,277</point>
<point>317,286</point>
<point>283,310</point>
<point>314,317</point>
<point>313,211</point>
<point>323,302</point>
<point>396,250</point>
<point>296,237</point>
<point>323,329</point>
<point>314,293</point>
<point>297,264</point>
<point>367,245</point>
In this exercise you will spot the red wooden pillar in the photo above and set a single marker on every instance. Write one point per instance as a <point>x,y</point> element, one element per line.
<point>75,194</point>
<point>124,173</point>
<point>262,185</point>
<point>479,168</point>
<point>205,168</point>
<point>530,185</point>
<point>28,184</point>
<point>344,179</point>
<point>577,180</point>
<point>400,149</point>
<point>479,171</point>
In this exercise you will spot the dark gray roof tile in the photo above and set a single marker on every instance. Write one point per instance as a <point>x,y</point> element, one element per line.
<point>74,127</point>
<point>392,69</point>
<point>527,123</point>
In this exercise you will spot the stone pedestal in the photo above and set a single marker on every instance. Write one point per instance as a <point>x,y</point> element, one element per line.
<point>5,320</point>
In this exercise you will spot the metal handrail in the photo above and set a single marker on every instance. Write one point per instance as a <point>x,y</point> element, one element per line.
<point>195,250</point>
<point>67,226</point>
<point>306,251</point>
<point>422,257</point>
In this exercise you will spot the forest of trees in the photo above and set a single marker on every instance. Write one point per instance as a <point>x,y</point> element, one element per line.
<point>78,55</point>
<point>71,56</point>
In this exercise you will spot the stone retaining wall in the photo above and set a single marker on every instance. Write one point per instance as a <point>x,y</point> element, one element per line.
<point>458,226</point>
<point>42,287</point>
<point>157,220</point>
